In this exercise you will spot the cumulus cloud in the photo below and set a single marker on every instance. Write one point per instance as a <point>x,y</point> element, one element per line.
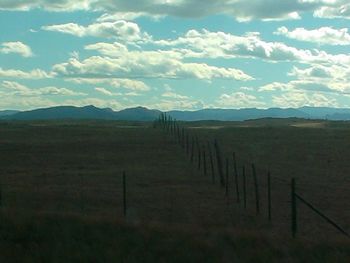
<point>15,88</point>
<point>299,98</point>
<point>130,84</point>
<point>174,95</point>
<point>16,48</point>
<point>339,9</point>
<point>322,36</point>
<point>239,100</point>
<point>107,92</point>
<point>142,64</point>
<point>309,84</point>
<point>121,30</point>
<point>19,74</point>
<point>206,44</point>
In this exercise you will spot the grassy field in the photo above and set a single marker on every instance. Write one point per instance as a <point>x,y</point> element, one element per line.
<point>62,193</point>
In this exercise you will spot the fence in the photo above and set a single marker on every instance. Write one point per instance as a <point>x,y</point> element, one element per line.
<point>221,174</point>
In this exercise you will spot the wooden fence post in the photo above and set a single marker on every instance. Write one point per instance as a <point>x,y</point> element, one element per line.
<point>244,187</point>
<point>269,195</point>
<point>124,194</point>
<point>204,162</point>
<point>227,173</point>
<point>0,195</point>
<point>293,209</point>
<point>256,187</point>
<point>183,138</point>
<point>219,164</point>
<point>211,163</point>
<point>187,144</point>
<point>192,150</point>
<point>236,177</point>
<point>198,153</point>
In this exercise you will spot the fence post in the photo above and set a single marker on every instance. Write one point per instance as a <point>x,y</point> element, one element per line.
<point>0,195</point>
<point>124,194</point>
<point>227,173</point>
<point>244,187</point>
<point>236,177</point>
<point>183,138</point>
<point>269,194</point>
<point>256,187</point>
<point>204,162</point>
<point>192,150</point>
<point>293,209</point>
<point>211,163</point>
<point>198,153</point>
<point>187,144</point>
<point>219,164</point>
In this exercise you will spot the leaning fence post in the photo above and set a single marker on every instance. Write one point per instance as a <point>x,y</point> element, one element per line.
<point>293,209</point>
<point>269,194</point>
<point>236,176</point>
<point>124,194</point>
<point>244,187</point>
<point>256,187</point>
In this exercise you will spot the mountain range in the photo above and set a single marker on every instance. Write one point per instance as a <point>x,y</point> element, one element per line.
<point>144,114</point>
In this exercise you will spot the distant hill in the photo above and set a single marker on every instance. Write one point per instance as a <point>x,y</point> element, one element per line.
<point>237,114</point>
<point>87,112</point>
<point>144,114</point>
<point>8,112</point>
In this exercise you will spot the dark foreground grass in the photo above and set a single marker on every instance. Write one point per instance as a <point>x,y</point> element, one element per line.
<point>62,198</point>
<point>53,238</point>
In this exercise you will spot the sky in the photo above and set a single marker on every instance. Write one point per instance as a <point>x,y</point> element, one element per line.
<point>174,54</point>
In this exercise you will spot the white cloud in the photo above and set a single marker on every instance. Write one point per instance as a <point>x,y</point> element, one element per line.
<point>115,16</point>
<point>19,74</point>
<point>121,30</point>
<point>206,44</point>
<point>16,48</point>
<point>174,95</point>
<point>107,92</point>
<point>113,50</point>
<point>239,100</point>
<point>299,98</point>
<point>340,9</point>
<point>17,89</point>
<point>322,36</point>
<point>130,84</point>
<point>142,64</point>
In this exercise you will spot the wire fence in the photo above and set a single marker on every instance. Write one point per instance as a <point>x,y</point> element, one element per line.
<point>242,184</point>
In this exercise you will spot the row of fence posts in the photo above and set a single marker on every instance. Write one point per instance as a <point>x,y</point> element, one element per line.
<point>191,142</point>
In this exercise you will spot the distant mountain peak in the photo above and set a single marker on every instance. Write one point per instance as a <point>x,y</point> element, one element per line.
<point>141,113</point>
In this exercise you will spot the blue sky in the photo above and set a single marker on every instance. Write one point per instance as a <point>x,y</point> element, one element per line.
<point>174,54</point>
